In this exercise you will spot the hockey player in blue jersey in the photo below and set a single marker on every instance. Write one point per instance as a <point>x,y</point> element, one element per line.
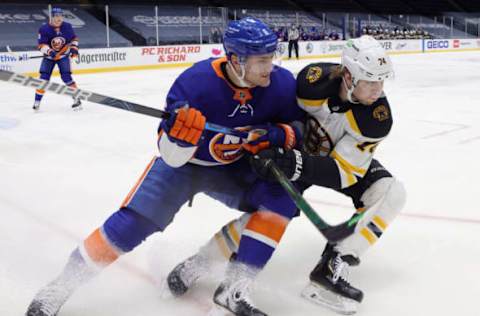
<point>57,42</point>
<point>242,90</point>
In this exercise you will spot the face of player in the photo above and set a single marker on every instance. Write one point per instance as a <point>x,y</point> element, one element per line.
<point>258,70</point>
<point>57,19</point>
<point>367,92</point>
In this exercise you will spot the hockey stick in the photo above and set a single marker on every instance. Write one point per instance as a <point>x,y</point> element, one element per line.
<point>25,57</point>
<point>30,57</point>
<point>93,97</point>
<point>332,233</point>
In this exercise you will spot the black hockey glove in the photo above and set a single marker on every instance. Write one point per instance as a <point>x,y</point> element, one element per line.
<point>288,161</point>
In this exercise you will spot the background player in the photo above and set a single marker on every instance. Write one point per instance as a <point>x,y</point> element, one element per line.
<point>349,115</point>
<point>57,41</point>
<point>239,90</point>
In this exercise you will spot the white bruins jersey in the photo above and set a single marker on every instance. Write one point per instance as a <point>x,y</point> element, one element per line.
<point>349,133</point>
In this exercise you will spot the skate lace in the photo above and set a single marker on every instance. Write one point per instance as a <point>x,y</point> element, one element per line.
<point>340,271</point>
<point>242,292</point>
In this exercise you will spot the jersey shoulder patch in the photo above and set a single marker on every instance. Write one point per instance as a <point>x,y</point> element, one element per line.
<point>314,82</point>
<point>374,121</point>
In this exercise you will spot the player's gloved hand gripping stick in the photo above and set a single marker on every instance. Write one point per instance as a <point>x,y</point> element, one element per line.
<point>332,233</point>
<point>55,55</point>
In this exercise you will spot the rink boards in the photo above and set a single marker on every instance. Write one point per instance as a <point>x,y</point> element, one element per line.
<point>152,57</point>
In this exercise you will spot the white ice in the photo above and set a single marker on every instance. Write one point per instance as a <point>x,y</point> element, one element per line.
<point>62,173</point>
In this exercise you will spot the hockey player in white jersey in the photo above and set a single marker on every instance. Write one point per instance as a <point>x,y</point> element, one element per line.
<point>349,116</point>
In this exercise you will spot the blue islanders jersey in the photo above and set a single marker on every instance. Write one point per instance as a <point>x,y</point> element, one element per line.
<point>56,38</point>
<point>205,87</point>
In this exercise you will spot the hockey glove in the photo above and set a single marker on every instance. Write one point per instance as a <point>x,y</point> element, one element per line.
<point>73,51</point>
<point>280,135</point>
<point>185,125</point>
<point>288,161</point>
<point>51,53</point>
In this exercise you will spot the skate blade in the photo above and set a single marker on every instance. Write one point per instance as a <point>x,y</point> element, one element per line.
<point>330,300</point>
<point>77,108</point>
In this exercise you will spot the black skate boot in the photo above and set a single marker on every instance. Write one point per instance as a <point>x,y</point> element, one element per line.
<point>36,309</point>
<point>49,300</point>
<point>186,273</point>
<point>329,285</point>
<point>77,105</point>
<point>234,298</point>
<point>36,106</point>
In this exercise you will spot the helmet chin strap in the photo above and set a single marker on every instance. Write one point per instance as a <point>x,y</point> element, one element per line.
<point>240,78</point>
<point>350,90</point>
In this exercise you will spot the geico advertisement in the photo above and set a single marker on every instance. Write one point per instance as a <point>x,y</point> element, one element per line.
<point>438,44</point>
<point>451,44</point>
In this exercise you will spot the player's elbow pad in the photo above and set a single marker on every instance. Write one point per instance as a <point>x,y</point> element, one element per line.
<point>173,154</point>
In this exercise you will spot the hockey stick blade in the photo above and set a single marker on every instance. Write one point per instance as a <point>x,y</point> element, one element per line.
<point>331,233</point>
<point>93,97</point>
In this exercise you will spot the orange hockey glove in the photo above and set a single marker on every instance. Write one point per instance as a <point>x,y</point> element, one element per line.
<point>186,125</point>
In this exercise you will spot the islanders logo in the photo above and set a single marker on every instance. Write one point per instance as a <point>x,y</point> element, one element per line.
<point>226,148</point>
<point>57,43</point>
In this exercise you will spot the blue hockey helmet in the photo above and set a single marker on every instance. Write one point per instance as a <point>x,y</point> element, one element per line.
<point>57,11</point>
<point>249,36</point>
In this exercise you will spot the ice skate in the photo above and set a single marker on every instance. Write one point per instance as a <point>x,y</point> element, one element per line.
<point>36,106</point>
<point>49,300</point>
<point>77,105</point>
<point>329,286</point>
<point>232,297</point>
<point>186,273</point>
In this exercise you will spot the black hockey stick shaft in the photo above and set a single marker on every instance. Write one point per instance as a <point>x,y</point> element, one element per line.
<point>331,233</point>
<point>30,57</point>
<point>93,97</point>
<point>24,57</point>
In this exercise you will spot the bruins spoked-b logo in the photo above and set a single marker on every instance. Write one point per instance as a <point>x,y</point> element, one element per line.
<point>314,73</point>
<point>381,113</point>
<point>316,141</point>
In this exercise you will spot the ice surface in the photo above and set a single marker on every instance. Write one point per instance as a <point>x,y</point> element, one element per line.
<point>63,172</point>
